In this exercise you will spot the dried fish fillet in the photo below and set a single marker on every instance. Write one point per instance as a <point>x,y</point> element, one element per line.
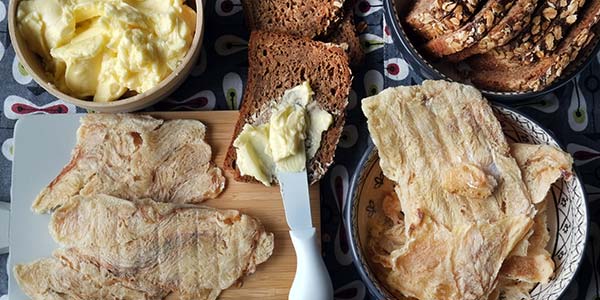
<point>512,289</point>
<point>540,164</point>
<point>457,238</point>
<point>155,247</point>
<point>455,258</point>
<point>134,157</point>
<point>532,268</point>
<point>519,274</point>
<point>49,279</point>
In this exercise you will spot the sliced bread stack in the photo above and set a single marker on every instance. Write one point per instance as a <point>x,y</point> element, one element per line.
<point>507,46</point>
<point>294,42</point>
<point>324,20</point>
<point>278,62</point>
<point>309,18</point>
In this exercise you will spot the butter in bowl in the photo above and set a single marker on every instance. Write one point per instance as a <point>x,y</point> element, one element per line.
<point>108,55</point>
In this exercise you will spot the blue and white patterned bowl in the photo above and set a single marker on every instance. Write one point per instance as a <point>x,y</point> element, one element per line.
<point>567,221</point>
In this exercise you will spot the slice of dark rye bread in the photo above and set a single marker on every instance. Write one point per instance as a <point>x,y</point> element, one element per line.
<point>278,62</point>
<point>347,33</point>
<point>302,18</point>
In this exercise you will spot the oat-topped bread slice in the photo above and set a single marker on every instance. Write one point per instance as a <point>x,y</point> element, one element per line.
<point>307,18</point>
<point>548,30</point>
<point>515,21</point>
<point>433,18</point>
<point>533,77</point>
<point>550,23</point>
<point>488,16</point>
<point>278,62</point>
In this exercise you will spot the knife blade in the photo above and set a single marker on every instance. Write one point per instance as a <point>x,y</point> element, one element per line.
<point>296,200</point>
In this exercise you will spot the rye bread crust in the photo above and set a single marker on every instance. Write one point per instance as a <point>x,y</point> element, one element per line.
<point>347,33</point>
<point>306,18</point>
<point>278,62</point>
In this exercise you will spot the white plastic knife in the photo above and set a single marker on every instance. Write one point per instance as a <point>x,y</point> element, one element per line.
<point>312,279</point>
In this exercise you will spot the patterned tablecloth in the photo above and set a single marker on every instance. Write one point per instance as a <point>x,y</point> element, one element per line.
<point>572,114</point>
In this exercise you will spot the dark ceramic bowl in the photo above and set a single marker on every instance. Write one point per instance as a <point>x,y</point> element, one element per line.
<point>567,222</point>
<point>427,70</point>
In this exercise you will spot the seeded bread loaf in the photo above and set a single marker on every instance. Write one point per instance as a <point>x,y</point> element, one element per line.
<point>510,26</point>
<point>489,15</point>
<point>278,62</point>
<point>508,56</point>
<point>555,23</point>
<point>550,23</point>
<point>307,18</point>
<point>543,72</point>
<point>433,18</point>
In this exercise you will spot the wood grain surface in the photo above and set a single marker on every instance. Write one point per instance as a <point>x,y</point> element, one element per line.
<point>273,278</point>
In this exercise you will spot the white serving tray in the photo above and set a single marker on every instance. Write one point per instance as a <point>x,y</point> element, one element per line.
<point>43,145</point>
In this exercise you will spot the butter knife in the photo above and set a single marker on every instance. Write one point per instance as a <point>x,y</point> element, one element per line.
<point>312,279</point>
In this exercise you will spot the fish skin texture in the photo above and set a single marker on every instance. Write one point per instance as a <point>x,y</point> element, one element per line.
<point>134,157</point>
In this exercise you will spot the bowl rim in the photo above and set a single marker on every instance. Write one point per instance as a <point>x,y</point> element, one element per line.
<point>349,213</point>
<point>149,97</point>
<point>402,41</point>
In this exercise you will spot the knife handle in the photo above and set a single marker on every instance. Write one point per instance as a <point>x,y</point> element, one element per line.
<point>312,279</point>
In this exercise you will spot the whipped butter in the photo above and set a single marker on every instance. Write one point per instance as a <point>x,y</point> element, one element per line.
<point>290,137</point>
<point>104,48</point>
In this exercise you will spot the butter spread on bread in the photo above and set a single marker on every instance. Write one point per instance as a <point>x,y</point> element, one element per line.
<point>278,62</point>
<point>292,135</point>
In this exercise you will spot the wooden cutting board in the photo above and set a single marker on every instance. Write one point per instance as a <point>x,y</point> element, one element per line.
<point>43,145</point>
<point>272,279</point>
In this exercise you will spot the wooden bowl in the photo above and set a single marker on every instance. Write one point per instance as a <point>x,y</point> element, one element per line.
<point>34,65</point>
